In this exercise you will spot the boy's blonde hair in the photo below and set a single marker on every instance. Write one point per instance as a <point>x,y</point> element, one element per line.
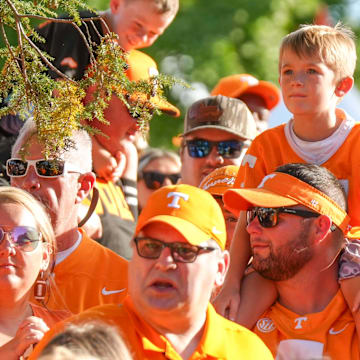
<point>334,45</point>
<point>165,6</point>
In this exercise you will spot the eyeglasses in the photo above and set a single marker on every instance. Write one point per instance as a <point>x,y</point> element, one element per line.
<point>149,248</point>
<point>25,238</point>
<point>155,180</point>
<point>229,149</point>
<point>44,168</point>
<point>268,217</point>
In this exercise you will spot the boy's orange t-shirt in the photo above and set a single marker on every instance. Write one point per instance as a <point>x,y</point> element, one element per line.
<point>271,149</point>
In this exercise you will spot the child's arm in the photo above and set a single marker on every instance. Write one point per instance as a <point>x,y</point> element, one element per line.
<point>257,295</point>
<point>228,301</point>
<point>349,276</point>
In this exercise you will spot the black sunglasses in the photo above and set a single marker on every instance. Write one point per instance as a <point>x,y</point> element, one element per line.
<point>43,168</point>
<point>268,217</point>
<point>155,180</point>
<point>229,149</point>
<point>149,248</point>
<point>25,238</point>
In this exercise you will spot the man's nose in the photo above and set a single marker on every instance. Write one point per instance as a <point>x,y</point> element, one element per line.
<point>165,261</point>
<point>254,226</point>
<point>29,182</point>
<point>214,158</point>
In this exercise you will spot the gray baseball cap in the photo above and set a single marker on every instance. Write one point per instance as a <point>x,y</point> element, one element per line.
<point>223,113</point>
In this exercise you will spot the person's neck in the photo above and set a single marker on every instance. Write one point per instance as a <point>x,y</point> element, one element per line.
<point>317,127</point>
<point>183,333</point>
<point>13,310</point>
<point>66,239</point>
<point>309,291</point>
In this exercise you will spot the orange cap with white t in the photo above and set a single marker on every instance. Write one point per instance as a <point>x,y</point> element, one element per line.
<point>191,211</point>
<point>278,189</point>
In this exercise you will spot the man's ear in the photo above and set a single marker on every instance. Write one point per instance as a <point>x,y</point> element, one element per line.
<point>115,5</point>
<point>344,86</point>
<point>223,267</point>
<point>323,225</point>
<point>85,184</point>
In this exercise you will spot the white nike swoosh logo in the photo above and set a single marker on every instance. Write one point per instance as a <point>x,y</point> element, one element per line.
<point>109,292</point>
<point>333,332</point>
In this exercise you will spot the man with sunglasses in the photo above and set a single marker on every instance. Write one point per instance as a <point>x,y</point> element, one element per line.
<point>85,273</point>
<point>217,132</point>
<point>178,258</point>
<point>296,220</point>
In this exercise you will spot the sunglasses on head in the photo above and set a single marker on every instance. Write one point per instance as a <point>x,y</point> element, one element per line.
<point>268,217</point>
<point>228,149</point>
<point>43,168</point>
<point>25,238</point>
<point>155,180</point>
<point>149,248</point>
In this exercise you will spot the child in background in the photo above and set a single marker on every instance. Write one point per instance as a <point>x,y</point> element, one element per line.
<point>316,65</point>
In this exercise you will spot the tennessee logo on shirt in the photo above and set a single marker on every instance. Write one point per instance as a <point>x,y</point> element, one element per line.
<point>265,325</point>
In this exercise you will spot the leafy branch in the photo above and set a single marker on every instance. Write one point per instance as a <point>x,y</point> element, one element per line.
<point>58,105</point>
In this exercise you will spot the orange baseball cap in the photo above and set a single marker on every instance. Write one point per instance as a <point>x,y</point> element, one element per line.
<point>238,84</point>
<point>143,67</point>
<point>279,189</point>
<point>220,180</point>
<point>191,211</point>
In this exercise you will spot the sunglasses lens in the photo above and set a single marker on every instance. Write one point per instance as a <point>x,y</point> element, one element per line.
<point>184,252</point>
<point>174,178</point>
<point>148,248</point>
<point>267,217</point>
<point>16,167</point>
<point>230,149</point>
<point>153,180</point>
<point>50,168</point>
<point>24,237</point>
<point>198,148</point>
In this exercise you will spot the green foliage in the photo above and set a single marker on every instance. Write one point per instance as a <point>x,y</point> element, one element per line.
<point>60,106</point>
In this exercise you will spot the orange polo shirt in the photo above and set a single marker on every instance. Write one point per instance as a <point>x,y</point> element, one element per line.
<point>330,332</point>
<point>91,275</point>
<point>222,339</point>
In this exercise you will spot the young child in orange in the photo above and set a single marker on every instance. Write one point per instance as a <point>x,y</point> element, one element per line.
<point>316,66</point>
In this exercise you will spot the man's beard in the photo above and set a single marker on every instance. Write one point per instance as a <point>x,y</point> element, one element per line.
<point>287,260</point>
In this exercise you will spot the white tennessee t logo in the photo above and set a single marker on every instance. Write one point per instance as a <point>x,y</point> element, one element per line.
<point>298,322</point>
<point>176,196</point>
<point>265,179</point>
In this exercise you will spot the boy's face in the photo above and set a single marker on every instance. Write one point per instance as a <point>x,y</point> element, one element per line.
<point>138,22</point>
<point>308,85</point>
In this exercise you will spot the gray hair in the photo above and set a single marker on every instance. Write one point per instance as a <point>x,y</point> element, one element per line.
<point>79,155</point>
<point>154,154</point>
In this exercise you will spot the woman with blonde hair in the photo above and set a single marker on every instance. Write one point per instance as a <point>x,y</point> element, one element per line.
<point>27,247</point>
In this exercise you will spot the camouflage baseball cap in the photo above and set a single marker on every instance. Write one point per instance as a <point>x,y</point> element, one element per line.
<point>223,113</point>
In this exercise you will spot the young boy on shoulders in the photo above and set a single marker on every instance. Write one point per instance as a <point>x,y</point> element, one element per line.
<point>316,66</point>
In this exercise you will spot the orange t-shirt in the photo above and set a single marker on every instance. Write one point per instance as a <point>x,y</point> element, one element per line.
<point>91,275</point>
<point>271,149</point>
<point>330,332</point>
<point>222,339</point>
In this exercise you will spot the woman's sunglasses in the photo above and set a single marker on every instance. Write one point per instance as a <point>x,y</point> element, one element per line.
<point>200,148</point>
<point>25,238</point>
<point>269,217</point>
<point>155,180</point>
<point>43,168</point>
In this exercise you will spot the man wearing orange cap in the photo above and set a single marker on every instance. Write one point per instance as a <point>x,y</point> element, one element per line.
<point>178,258</point>
<point>217,132</point>
<point>259,96</point>
<point>296,221</point>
